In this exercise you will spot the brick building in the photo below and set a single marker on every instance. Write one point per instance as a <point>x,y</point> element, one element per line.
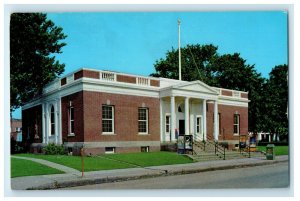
<point>110,112</point>
<point>16,128</point>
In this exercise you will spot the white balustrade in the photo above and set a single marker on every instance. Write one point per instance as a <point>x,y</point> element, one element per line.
<point>142,81</point>
<point>107,76</point>
<point>236,94</point>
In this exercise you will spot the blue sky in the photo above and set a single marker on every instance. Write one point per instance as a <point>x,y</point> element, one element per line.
<point>131,42</point>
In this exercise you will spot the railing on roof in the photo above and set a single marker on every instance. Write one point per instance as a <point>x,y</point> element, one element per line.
<point>70,79</point>
<point>142,81</point>
<point>52,86</point>
<point>108,76</point>
<point>236,94</point>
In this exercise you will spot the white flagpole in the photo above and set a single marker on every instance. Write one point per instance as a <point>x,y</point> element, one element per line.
<point>179,52</point>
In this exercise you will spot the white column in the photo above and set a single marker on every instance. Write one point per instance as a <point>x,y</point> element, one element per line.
<point>204,120</point>
<point>56,113</point>
<point>47,122</point>
<point>59,122</point>
<point>162,133</point>
<point>173,118</point>
<point>43,123</point>
<point>216,123</point>
<point>186,116</point>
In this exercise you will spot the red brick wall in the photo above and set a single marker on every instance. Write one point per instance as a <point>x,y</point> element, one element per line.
<point>126,117</point>
<point>226,114</point>
<point>226,93</point>
<point>124,78</point>
<point>63,81</point>
<point>77,103</point>
<point>244,95</point>
<point>154,83</point>
<point>86,73</point>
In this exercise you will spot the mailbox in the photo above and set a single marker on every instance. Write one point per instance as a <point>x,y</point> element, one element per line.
<point>270,152</point>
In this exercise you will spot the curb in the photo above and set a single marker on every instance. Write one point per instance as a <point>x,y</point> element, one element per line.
<point>88,181</point>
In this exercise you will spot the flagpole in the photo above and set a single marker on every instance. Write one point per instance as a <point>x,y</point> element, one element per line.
<point>179,51</point>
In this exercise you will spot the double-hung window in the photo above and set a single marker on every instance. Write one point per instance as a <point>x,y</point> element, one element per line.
<point>236,124</point>
<point>107,119</point>
<point>199,125</point>
<point>143,120</point>
<point>71,118</point>
<point>52,121</point>
<point>167,123</point>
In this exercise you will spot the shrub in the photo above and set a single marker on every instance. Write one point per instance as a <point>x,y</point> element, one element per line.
<point>53,149</point>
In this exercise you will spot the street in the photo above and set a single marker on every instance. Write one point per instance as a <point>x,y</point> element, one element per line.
<point>267,176</point>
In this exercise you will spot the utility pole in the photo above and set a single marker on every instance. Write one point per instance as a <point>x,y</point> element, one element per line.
<point>179,52</point>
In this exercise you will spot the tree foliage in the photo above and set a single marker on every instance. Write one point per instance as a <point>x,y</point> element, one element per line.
<point>202,62</point>
<point>33,42</point>
<point>276,101</point>
<point>195,60</point>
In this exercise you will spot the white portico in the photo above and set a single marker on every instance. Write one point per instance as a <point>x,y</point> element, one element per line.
<point>183,109</point>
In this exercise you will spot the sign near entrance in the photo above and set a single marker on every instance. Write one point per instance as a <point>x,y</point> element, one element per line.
<point>184,144</point>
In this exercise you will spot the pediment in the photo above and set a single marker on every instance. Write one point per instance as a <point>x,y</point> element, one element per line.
<point>196,86</point>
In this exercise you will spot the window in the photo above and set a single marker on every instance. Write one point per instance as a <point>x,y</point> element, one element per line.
<point>236,124</point>
<point>110,150</point>
<point>198,125</point>
<point>107,119</point>
<point>219,120</point>
<point>145,149</point>
<point>71,117</point>
<point>167,123</point>
<point>143,120</point>
<point>181,108</point>
<point>52,121</point>
<point>18,129</point>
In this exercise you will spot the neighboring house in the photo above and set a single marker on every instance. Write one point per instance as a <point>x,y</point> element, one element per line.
<point>267,137</point>
<point>16,128</point>
<point>111,112</point>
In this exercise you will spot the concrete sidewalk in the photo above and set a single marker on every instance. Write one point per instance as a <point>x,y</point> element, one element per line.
<point>104,176</point>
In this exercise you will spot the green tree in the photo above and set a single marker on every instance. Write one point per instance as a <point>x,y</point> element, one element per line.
<point>195,61</point>
<point>33,42</point>
<point>231,71</point>
<point>276,101</point>
<point>202,62</point>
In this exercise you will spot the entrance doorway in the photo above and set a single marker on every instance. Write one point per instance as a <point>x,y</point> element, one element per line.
<point>181,127</point>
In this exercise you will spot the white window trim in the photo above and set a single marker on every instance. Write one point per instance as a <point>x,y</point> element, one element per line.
<point>238,124</point>
<point>201,124</point>
<point>70,133</point>
<point>110,152</point>
<point>147,121</point>
<point>52,134</point>
<point>113,121</point>
<point>219,124</point>
<point>147,148</point>
<point>169,115</point>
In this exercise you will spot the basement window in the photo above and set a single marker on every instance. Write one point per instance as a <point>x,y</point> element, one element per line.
<point>110,150</point>
<point>145,149</point>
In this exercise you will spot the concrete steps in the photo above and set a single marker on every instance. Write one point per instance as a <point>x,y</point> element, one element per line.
<point>207,153</point>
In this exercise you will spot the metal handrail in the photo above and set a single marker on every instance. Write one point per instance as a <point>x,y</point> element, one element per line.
<point>247,152</point>
<point>219,150</point>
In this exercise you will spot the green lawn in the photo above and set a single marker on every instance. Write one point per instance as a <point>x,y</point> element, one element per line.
<point>279,150</point>
<point>151,158</point>
<point>21,167</point>
<point>90,163</point>
<point>100,163</point>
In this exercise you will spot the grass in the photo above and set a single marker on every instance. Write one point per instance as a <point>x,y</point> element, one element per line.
<point>151,158</point>
<point>21,167</point>
<point>90,163</point>
<point>104,163</point>
<point>279,150</point>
